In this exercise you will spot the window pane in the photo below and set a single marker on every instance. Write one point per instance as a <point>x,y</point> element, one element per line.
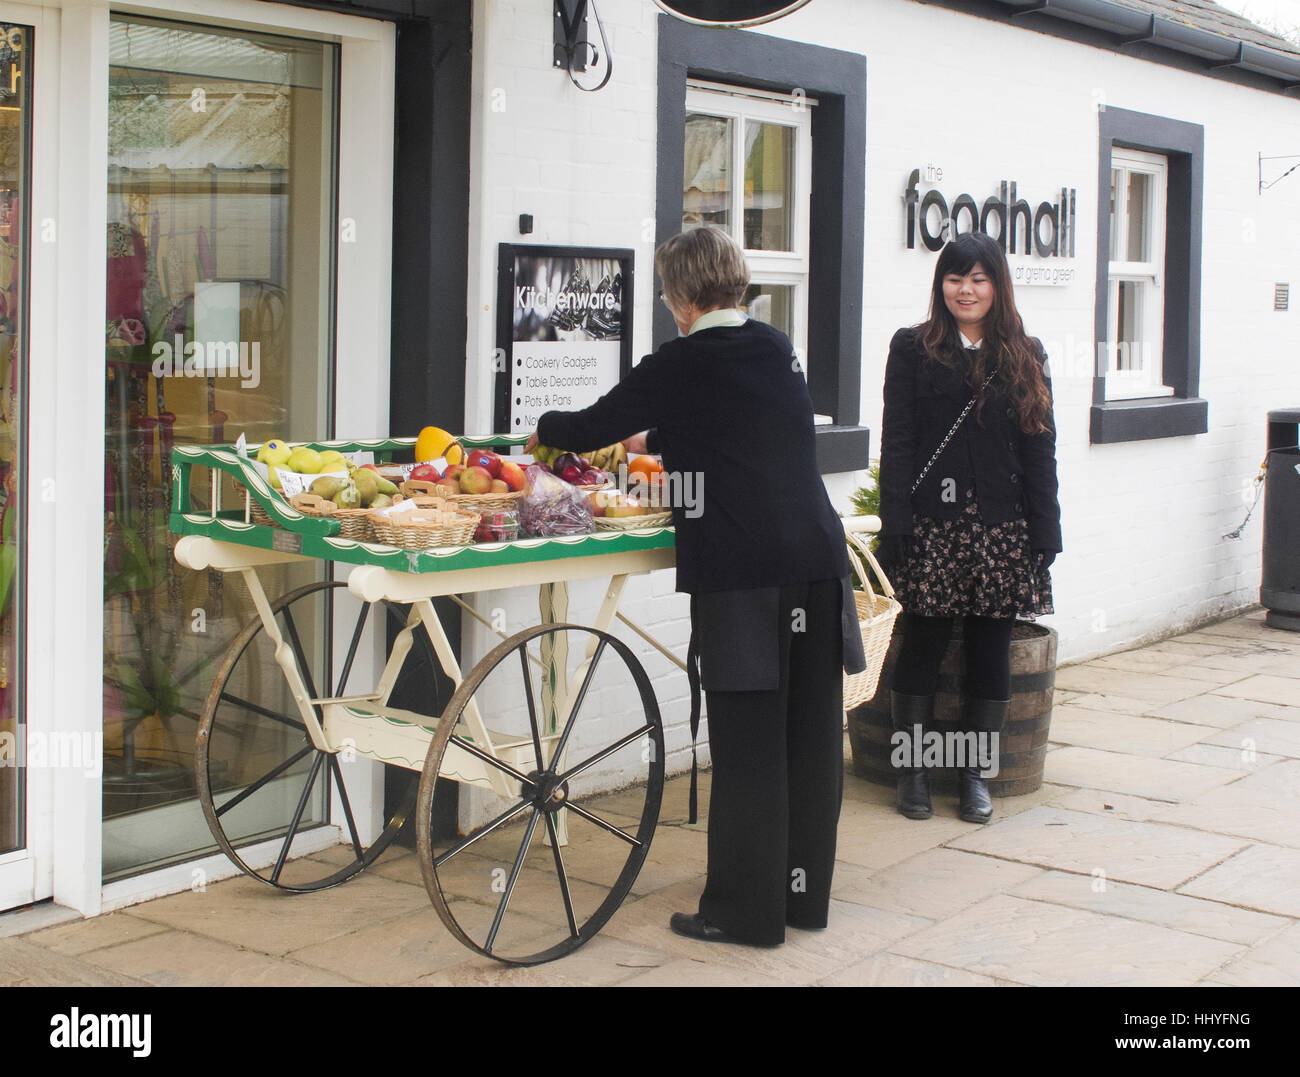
<point>1139,213</point>
<point>1129,341</point>
<point>706,182</point>
<point>15,128</point>
<point>769,186</point>
<point>220,244</point>
<point>773,304</point>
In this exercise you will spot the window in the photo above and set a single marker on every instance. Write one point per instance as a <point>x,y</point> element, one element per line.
<point>766,140</point>
<point>1147,315</point>
<point>1138,185</point>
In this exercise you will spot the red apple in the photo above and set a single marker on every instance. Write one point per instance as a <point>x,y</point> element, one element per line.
<point>572,474</point>
<point>453,471</point>
<point>487,460</point>
<point>475,480</point>
<point>425,473</point>
<point>448,487</point>
<point>513,474</point>
<point>372,467</point>
<point>500,486</point>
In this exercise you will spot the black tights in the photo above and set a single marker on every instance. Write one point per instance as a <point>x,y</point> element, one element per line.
<point>986,640</point>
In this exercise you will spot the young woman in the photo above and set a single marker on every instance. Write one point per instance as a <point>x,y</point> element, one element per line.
<point>773,623</point>
<point>968,499</point>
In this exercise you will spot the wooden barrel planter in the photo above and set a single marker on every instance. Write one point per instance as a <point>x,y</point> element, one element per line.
<point>1022,743</point>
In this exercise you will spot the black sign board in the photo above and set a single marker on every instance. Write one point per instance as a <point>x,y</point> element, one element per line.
<point>730,12</point>
<point>564,329</point>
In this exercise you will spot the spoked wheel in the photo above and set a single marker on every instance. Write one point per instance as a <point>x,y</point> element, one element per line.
<point>260,777</point>
<point>513,885</point>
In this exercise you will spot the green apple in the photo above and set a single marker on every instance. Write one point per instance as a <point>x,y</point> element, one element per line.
<point>305,461</point>
<point>332,460</point>
<point>274,453</point>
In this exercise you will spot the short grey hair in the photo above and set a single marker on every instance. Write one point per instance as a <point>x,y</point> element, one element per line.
<point>704,267</point>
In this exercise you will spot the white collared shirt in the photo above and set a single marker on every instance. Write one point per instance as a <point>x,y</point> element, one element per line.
<point>965,341</point>
<point>715,318</point>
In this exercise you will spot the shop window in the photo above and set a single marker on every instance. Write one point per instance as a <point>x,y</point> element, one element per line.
<point>805,108</point>
<point>1135,326</point>
<point>747,165</point>
<point>1148,279</point>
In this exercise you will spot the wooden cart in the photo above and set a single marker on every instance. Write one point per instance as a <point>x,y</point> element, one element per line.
<point>282,723</point>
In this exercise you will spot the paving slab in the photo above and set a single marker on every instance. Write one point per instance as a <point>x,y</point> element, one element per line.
<point>1089,677</point>
<point>1274,963</point>
<point>1246,760</point>
<point>1044,944</point>
<point>184,959</point>
<point>934,884</point>
<point>1121,732</point>
<point>1152,854</point>
<point>1109,804</point>
<point>1180,911</point>
<point>603,962</point>
<point>1221,711</point>
<point>244,912</point>
<point>1264,877</point>
<point>95,933</point>
<point>1208,676</point>
<point>1264,688</point>
<point>893,970</point>
<point>1264,806</point>
<point>27,964</point>
<point>1158,779</point>
<point>1118,703</point>
<point>1272,736</point>
<point>698,972</point>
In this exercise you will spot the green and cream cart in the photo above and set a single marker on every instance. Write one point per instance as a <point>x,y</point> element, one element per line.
<point>555,733</point>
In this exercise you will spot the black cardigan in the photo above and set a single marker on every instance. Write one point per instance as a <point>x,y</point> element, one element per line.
<point>729,405</point>
<point>1014,474</point>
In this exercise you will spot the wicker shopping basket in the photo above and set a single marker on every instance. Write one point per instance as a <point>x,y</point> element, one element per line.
<point>876,616</point>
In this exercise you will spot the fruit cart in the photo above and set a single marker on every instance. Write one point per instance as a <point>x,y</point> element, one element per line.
<point>541,854</point>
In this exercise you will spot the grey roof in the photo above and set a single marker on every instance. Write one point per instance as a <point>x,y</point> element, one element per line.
<point>1207,15</point>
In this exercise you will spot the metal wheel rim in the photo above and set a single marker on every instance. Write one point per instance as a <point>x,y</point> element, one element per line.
<point>622,886</point>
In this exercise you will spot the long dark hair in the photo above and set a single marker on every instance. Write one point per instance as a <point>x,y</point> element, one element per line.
<point>1005,345</point>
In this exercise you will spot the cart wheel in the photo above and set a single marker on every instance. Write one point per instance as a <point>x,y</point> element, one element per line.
<point>259,775</point>
<point>501,887</point>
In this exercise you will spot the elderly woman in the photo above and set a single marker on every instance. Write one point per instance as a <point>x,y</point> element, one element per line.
<point>762,555</point>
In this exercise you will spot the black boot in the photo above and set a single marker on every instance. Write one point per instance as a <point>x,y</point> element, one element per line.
<point>982,717</point>
<point>912,714</point>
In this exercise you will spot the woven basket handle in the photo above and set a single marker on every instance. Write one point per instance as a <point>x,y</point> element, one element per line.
<point>857,544</point>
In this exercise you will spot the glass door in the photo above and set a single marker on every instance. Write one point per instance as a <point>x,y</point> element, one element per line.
<point>219,322</point>
<point>16,44</point>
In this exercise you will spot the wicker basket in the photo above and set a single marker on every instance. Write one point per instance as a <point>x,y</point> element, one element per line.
<point>464,502</point>
<point>433,522</point>
<point>256,513</point>
<point>633,523</point>
<point>876,616</point>
<point>353,523</point>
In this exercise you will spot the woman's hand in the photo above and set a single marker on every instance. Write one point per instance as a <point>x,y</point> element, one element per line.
<point>531,443</point>
<point>636,443</point>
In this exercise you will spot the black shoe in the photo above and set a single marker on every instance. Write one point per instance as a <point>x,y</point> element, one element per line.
<point>911,714</point>
<point>692,925</point>
<point>974,804</point>
<point>982,717</point>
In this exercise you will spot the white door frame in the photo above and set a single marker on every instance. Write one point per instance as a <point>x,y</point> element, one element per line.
<point>65,535</point>
<point>26,875</point>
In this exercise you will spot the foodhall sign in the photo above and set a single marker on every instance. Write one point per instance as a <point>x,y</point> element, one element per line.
<point>729,12</point>
<point>1047,230</point>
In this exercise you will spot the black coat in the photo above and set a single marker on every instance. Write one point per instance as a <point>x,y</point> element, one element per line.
<point>729,405</point>
<point>1014,474</point>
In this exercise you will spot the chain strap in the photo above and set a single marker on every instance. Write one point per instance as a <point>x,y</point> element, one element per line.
<point>925,470</point>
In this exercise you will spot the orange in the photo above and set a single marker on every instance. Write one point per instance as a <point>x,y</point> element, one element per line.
<point>645,465</point>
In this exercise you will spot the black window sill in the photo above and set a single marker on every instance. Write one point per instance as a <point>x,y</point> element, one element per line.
<point>1141,420</point>
<point>842,448</point>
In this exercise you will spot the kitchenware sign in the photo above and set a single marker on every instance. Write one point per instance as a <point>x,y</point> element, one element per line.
<point>563,329</point>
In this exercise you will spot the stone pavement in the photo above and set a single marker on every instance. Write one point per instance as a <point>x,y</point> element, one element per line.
<point>1163,849</point>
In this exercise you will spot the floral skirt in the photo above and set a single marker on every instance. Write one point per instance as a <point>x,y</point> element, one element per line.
<point>965,566</point>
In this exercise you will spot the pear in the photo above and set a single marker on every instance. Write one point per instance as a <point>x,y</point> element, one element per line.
<point>367,485</point>
<point>348,498</point>
<point>327,486</point>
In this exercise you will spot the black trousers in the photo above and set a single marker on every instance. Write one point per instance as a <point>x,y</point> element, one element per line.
<point>985,640</point>
<point>778,773</point>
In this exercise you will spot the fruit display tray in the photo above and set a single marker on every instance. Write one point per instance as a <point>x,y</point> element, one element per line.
<point>315,536</point>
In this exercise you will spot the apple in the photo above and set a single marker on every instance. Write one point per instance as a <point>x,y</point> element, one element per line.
<point>500,486</point>
<point>572,474</point>
<point>475,480</point>
<point>274,453</point>
<point>513,474</point>
<point>372,467</point>
<point>625,506</point>
<point>453,471</point>
<point>487,460</point>
<point>425,473</point>
<point>448,487</point>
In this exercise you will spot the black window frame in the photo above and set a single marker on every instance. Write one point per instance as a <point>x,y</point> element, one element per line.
<point>838,81</point>
<point>1182,144</point>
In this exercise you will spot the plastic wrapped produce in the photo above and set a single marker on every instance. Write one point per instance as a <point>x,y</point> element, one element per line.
<point>550,506</point>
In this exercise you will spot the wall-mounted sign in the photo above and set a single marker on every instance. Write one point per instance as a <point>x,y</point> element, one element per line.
<point>564,329</point>
<point>1046,230</point>
<point>730,12</point>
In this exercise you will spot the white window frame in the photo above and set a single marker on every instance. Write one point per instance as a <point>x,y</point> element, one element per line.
<point>1147,381</point>
<point>789,110</point>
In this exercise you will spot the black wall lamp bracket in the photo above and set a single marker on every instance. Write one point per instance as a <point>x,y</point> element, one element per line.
<point>573,52</point>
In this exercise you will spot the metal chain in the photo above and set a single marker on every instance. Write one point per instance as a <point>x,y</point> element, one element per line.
<point>925,470</point>
<point>1259,490</point>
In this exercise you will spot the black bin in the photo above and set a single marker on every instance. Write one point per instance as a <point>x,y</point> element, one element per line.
<point>1279,589</point>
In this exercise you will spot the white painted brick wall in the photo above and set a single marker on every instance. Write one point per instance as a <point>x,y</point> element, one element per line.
<point>1142,521</point>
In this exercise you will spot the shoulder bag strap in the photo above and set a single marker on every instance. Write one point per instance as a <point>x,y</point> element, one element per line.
<point>948,437</point>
